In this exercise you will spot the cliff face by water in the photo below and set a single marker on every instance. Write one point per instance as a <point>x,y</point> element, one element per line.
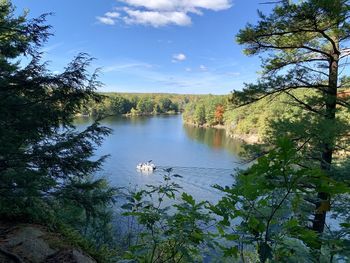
<point>247,138</point>
<point>30,243</point>
<point>250,138</point>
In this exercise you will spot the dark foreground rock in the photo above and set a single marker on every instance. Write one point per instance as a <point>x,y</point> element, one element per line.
<point>27,243</point>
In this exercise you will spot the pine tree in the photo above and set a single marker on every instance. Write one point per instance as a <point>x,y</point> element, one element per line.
<point>45,163</point>
<point>304,49</point>
<point>306,45</point>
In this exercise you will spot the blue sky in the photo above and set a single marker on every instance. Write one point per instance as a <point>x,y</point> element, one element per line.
<point>175,46</point>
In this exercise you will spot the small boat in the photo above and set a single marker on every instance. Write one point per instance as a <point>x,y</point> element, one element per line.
<point>147,167</point>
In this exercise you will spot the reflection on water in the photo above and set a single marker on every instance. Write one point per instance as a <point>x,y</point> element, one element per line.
<point>214,138</point>
<point>190,151</point>
<point>112,120</point>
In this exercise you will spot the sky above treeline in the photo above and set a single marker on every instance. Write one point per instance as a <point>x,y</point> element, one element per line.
<point>175,46</point>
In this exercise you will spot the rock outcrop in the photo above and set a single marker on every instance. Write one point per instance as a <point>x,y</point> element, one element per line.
<point>29,243</point>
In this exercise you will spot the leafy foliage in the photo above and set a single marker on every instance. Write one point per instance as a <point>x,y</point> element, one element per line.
<point>172,231</point>
<point>269,206</point>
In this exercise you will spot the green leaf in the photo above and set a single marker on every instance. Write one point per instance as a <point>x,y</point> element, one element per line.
<point>188,199</point>
<point>231,252</point>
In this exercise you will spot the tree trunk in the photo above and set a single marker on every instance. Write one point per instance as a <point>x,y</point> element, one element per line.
<point>330,95</point>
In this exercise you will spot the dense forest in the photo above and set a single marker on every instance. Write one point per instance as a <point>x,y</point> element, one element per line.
<point>252,122</point>
<point>137,104</point>
<point>291,204</point>
<point>206,110</point>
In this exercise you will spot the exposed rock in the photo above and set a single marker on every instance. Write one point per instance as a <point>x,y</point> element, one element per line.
<point>247,138</point>
<point>7,257</point>
<point>69,256</point>
<point>26,243</point>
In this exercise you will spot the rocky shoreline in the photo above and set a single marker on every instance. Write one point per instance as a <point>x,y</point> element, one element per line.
<point>247,138</point>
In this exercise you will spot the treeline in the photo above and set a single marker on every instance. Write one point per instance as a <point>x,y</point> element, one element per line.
<point>206,110</point>
<point>252,122</point>
<point>138,104</point>
<point>211,111</point>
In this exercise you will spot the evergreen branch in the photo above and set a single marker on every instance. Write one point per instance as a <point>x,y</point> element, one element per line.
<point>305,105</point>
<point>346,51</point>
<point>298,62</point>
<point>343,103</point>
<point>314,70</point>
<point>277,91</point>
<point>261,45</point>
<point>323,33</point>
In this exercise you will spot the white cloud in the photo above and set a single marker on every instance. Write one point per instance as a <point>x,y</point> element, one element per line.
<point>105,20</point>
<point>48,49</point>
<point>112,14</point>
<point>233,74</point>
<point>164,41</point>
<point>159,13</point>
<point>179,57</point>
<point>109,18</point>
<point>186,6</point>
<point>156,18</point>
<point>203,68</point>
<point>140,76</point>
<point>120,67</point>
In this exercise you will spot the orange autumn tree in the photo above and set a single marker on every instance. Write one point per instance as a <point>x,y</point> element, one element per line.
<point>219,114</point>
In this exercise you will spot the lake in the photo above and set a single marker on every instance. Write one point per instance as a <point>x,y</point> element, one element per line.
<point>202,156</point>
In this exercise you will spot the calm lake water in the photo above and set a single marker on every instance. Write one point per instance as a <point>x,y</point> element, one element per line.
<point>203,156</point>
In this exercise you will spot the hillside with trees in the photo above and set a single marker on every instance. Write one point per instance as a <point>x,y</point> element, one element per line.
<point>250,123</point>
